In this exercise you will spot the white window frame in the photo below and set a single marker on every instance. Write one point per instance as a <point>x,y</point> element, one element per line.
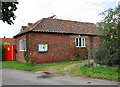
<point>82,38</point>
<point>20,44</point>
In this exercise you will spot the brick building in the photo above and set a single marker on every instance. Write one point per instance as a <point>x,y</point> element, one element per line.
<point>52,40</point>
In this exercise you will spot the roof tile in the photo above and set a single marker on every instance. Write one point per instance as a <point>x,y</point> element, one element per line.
<point>62,26</point>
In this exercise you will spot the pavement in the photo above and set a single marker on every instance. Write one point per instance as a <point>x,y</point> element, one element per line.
<point>0,76</point>
<point>18,77</point>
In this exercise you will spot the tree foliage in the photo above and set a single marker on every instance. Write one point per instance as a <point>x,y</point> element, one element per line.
<point>8,9</point>
<point>109,31</point>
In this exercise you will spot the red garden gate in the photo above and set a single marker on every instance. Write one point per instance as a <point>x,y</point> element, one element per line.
<point>10,54</point>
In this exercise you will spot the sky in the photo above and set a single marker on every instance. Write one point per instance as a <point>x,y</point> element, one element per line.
<point>30,11</point>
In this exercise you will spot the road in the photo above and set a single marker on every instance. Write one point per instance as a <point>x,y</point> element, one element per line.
<point>18,77</point>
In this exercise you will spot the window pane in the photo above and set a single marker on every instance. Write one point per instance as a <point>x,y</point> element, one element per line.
<point>76,41</point>
<point>83,41</point>
<point>19,44</point>
<point>79,41</point>
<point>22,44</point>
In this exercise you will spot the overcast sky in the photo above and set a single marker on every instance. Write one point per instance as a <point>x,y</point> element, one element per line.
<point>30,11</point>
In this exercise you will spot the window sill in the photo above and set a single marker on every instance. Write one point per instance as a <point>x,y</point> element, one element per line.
<point>80,47</point>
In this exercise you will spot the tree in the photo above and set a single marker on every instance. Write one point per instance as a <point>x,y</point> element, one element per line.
<point>8,9</point>
<point>109,31</point>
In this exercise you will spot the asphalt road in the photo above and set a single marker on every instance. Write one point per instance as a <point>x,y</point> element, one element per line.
<point>18,77</point>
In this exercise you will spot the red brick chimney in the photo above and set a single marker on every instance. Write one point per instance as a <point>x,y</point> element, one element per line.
<point>24,27</point>
<point>53,17</point>
<point>30,24</point>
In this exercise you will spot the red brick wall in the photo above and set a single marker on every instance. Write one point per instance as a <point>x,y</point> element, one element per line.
<point>19,54</point>
<point>58,47</point>
<point>97,42</point>
<point>82,50</point>
<point>92,42</point>
<point>8,40</point>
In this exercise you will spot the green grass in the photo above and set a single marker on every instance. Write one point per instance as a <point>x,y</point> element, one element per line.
<point>70,68</point>
<point>0,64</point>
<point>21,66</point>
<point>101,72</point>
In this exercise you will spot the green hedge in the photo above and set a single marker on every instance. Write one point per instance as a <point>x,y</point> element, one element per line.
<point>2,48</point>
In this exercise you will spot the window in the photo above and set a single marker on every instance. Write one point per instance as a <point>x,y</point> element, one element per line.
<point>22,45</point>
<point>80,42</point>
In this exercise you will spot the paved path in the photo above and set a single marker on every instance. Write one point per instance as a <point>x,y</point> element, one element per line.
<point>18,77</point>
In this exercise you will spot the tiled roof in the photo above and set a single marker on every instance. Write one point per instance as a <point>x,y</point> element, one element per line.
<point>62,26</point>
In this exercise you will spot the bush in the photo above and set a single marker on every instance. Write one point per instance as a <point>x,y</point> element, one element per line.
<point>3,45</point>
<point>107,55</point>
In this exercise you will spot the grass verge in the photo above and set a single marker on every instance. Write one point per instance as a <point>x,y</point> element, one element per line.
<point>69,68</point>
<point>21,66</point>
<point>101,72</point>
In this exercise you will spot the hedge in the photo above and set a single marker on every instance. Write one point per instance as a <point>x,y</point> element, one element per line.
<point>2,48</point>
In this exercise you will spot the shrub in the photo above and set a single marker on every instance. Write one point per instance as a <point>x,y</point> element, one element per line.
<point>28,55</point>
<point>26,52</point>
<point>3,50</point>
<point>107,55</point>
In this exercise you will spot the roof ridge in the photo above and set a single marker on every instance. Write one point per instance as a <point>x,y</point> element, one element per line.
<point>71,21</point>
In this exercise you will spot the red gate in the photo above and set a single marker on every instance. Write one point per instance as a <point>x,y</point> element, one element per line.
<point>10,53</point>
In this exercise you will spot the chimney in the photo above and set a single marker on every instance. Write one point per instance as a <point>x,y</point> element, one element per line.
<point>53,17</point>
<point>30,24</point>
<point>24,27</point>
